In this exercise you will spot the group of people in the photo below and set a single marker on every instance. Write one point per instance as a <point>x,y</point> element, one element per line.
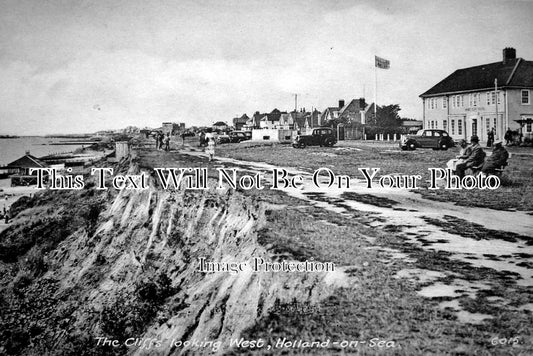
<point>162,142</point>
<point>513,137</point>
<point>473,157</point>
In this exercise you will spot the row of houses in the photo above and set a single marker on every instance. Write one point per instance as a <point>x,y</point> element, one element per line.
<point>356,111</point>
<point>470,101</point>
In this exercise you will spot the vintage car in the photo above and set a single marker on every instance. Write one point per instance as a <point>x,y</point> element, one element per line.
<point>322,136</point>
<point>220,139</point>
<point>239,136</point>
<point>436,139</point>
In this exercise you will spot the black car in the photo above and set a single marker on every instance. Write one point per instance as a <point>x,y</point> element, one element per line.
<point>220,139</point>
<point>322,136</point>
<point>436,139</point>
<point>239,136</point>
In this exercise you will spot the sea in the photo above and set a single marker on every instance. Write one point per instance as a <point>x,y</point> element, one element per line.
<point>12,149</point>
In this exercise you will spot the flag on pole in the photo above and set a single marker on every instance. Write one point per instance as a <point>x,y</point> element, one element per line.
<point>382,63</point>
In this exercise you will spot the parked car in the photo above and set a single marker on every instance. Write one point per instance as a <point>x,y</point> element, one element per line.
<point>436,139</point>
<point>222,139</point>
<point>239,136</point>
<point>322,136</point>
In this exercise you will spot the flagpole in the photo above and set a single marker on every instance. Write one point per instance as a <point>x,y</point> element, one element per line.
<point>375,93</point>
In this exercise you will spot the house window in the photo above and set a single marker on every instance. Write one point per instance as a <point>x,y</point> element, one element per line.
<point>474,99</point>
<point>491,98</point>
<point>445,125</point>
<point>453,127</point>
<point>444,102</point>
<point>528,127</point>
<point>459,127</point>
<point>525,97</point>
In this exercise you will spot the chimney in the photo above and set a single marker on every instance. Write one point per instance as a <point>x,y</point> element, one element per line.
<point>362,103</point>
<point>508,54</point>
<point>341,104</point>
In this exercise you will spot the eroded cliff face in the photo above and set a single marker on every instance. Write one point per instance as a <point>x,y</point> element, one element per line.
<point>132,271</point>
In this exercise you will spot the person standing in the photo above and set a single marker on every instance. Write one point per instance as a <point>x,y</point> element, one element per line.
<point>156,137</point>
<point>202,139</point>
<point>474,159</point>
<point>167,142</point>
<point>508,136</point>
<point>490,137</point>
<point>210,149</point>
<point>160,138</point>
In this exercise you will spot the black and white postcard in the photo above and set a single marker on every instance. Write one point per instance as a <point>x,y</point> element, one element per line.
<point>245,177</point>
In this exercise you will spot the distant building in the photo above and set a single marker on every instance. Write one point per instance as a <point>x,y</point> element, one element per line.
<point>253,122</point>
<point>330,113</point>
<point>412,126</point>
<point>20,169</point>
<point>301,120</point>
<point>170,127</point>
<point>131,130</point>
<point>286,122</point>
<point>23,165</point>
<point>465,103</point>
<point>354,112</point>
<point>220,126</point>
<point>349,120</point>
<point>240,122</point>
<point>267,121</point>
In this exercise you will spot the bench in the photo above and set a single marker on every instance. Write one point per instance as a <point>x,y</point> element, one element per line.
<point>498,171</point>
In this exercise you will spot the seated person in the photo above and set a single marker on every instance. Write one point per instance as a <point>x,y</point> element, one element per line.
<point>497,159</point>
<point>463,154</point>
<point>474,159</point>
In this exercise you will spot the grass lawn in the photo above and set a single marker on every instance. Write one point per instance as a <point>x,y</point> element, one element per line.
<point>515,192</point>
<point>377,305</point>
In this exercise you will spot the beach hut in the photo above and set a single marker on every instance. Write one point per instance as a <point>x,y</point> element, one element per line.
<point>21,169</point>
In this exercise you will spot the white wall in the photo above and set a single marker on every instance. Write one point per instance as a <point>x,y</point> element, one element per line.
<point>273,135</point>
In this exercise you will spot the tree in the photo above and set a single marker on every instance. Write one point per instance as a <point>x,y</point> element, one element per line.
<point>388,117</point>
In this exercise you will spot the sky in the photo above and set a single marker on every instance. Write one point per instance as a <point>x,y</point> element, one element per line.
<point>72,66</point>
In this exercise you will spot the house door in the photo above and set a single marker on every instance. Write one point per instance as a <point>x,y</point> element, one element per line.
<point>474,127</point>
<point>340,132</point>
